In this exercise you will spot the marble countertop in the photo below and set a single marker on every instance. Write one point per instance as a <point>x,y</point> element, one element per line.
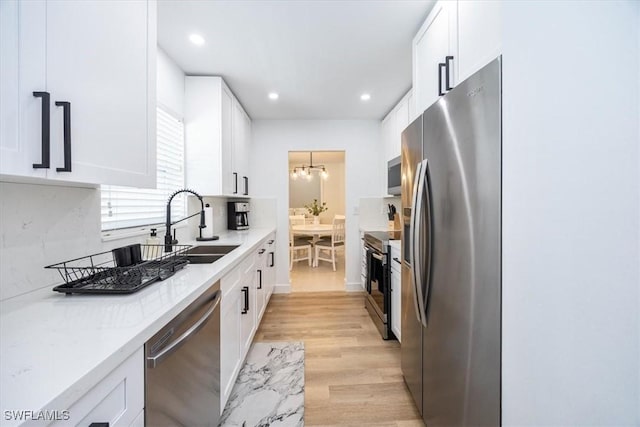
<point>55,348</point>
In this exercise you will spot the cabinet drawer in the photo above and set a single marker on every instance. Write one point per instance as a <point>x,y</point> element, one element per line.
<point>395,265</point>
<point>118,399</point>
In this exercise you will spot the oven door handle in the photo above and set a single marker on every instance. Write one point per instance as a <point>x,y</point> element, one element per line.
<point>154,361</point>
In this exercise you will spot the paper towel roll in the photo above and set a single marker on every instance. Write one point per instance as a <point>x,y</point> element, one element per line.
<point>208,220</point>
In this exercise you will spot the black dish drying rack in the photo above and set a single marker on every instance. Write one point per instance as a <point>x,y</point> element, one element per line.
<point>121,271</point>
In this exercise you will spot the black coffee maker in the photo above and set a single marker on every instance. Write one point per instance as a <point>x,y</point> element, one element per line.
<point>237,215</point>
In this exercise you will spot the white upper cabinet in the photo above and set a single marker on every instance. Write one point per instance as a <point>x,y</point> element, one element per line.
<point>241,136</point>
<point>95,61</point>
<point>402,121</point>
<point>22,72</point>
<point>479,35</point>
<point>456,40</point>
<point>229,176</point>
<point>392,126</point>
<point>436,40</point>
<point>217,132</point>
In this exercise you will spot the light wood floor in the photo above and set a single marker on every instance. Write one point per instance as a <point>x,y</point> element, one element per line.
<point>352,376</point>
<point>318,279</point>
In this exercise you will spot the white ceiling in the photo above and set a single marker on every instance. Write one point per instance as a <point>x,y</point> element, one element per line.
<point>320,56</point>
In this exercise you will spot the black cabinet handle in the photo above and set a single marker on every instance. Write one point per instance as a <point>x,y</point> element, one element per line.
<point>235,178</point>
<point>447,85</point>
<point>46,130</point>
<point>261,251</point>
<point>397,260</point>
<point>66,106</point>
<point>99,425</point>
<point>441,66</point>
<point>245,309</point>
<point>246,185</point>
<point>259,279</point>
<point>271,242</point>
<point>272,261</point>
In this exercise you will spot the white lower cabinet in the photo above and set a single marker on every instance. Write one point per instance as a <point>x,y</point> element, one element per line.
<point>396,293</point>
<point>261,280</point>
<point>242,307</point>
<point>230,348</point>
<point>118,399</point>
<point>139,420</point>
<point>270,266</point>
<point>248,315</point>
<point>363,270</point>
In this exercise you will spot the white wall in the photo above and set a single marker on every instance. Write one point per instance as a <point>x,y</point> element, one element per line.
<point>272,141</point>
<point>571,213</point>
<point>333,192</point>
<point>170,84</point>
<point>303,191</point>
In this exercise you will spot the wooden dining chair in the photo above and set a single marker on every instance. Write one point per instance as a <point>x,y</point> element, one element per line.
<point>326,250</point>
<point>298,245</point>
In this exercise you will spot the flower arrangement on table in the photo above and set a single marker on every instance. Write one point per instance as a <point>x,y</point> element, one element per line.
<point>315,208</point>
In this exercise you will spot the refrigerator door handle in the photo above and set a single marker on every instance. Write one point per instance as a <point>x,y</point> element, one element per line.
<point>425,242</point>
<point>418,242</point>
<point>413,255</point>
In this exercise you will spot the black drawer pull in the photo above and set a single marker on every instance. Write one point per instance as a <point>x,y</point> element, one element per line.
<point>272,260</point>
<point>447,84</point>
<point>397,260</point>
<point>259,279</point>
<point>99,425</point>
<point>67,135</point>
<point>46,130</point>
<point>261,251</point>
<point>245,309</point>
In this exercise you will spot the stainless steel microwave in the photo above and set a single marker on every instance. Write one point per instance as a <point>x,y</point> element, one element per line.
<point>394,176</point>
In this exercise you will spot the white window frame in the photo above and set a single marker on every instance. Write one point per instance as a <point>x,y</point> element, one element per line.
<point>179,203</point>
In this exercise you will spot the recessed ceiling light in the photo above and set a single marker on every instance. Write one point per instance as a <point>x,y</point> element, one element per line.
<point>273,95</point>
<point>365,97</point>
<point>196,39</point>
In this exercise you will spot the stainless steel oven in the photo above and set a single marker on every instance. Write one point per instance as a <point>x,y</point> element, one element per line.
<point>378,282</point>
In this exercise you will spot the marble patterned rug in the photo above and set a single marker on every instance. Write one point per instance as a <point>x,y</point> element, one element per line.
<point>269,390</point>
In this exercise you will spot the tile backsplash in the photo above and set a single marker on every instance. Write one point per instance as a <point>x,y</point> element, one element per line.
<point>42,225</point>
<point>45,224</point>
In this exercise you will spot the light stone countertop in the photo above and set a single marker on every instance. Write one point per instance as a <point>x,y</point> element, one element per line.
<point>54,348</point>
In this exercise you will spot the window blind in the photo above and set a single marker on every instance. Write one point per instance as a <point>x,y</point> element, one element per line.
<point>126,207</point>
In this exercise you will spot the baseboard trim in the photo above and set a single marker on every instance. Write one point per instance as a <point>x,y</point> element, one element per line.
<point>353,287</point>
<point>282,289</point>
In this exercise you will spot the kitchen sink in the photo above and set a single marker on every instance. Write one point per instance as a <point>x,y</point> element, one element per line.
<point>206,254</point>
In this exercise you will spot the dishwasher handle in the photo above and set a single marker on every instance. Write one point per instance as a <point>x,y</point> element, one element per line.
<point>154,361</point>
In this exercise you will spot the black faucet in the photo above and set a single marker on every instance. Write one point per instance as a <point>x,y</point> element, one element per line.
<point>169,241</point>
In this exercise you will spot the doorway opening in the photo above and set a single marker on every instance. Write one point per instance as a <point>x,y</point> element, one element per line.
<point>317,255</point>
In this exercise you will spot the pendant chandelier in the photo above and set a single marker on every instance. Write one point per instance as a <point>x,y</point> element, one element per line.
<point>305,171</point>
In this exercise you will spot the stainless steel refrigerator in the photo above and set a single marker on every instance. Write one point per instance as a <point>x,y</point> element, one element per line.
<point>451,272</point>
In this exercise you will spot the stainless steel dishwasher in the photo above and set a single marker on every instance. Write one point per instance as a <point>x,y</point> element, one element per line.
<point>182,375</point>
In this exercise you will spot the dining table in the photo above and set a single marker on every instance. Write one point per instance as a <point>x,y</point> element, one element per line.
<point>317,231</point>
